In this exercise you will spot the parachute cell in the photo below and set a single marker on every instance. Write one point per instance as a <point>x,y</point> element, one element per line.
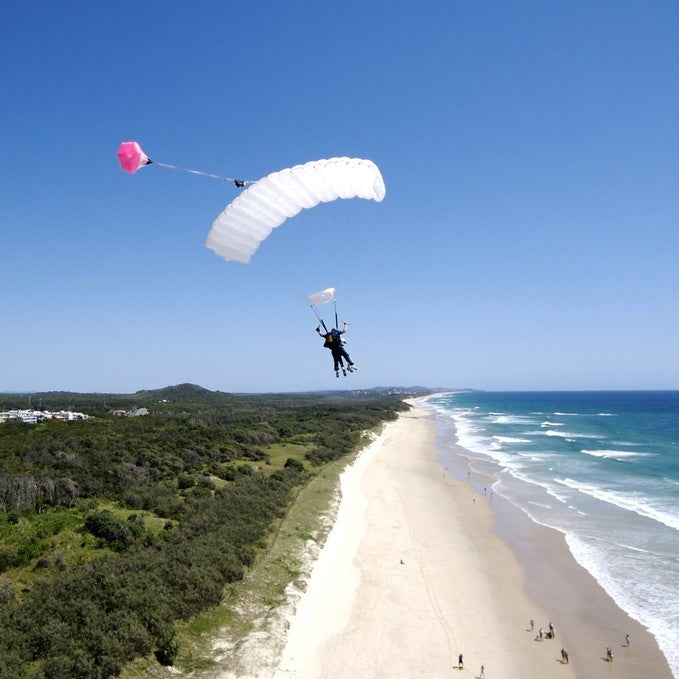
<point>239,230</point>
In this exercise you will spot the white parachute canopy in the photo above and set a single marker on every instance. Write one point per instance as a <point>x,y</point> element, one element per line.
<point>322,297</point>
<point>238,231</point>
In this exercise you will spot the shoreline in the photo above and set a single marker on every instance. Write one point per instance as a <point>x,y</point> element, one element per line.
<point>589,619</point>
<point>419,568</point>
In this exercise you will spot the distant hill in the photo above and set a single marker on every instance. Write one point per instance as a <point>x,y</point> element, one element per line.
<point>194,392</point>
<point>194,398</point>
<point>179,392</point>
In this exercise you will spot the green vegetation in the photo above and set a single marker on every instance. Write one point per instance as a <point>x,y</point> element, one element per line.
<point>113,530</point>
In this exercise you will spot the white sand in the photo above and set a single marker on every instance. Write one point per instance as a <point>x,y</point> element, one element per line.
<point>458,590</point>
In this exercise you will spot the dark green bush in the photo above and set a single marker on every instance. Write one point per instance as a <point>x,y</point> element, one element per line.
<point>291,463</point>
<point>111,531</point>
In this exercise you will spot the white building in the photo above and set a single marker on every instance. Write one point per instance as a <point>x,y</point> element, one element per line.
<point>35,416</point>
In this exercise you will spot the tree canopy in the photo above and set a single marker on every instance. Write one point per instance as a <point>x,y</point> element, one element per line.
<point>113,528</point>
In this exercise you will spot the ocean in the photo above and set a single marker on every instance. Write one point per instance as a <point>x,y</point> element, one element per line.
<point>600,467</point>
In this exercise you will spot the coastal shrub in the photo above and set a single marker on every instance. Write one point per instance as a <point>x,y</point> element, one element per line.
<point>88,617</point>
<point>167,650</point>
<point>9,559</point>
<point>255,454</point>
<point>116,605</point>
<point>111,531</point>
<point>185,480</point>
<point>206,482</point>
<point>224,473</point>
<point>291,463</point>
<point>199,491</point>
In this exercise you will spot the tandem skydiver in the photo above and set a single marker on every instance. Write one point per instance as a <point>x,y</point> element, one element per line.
<point>333,341</point>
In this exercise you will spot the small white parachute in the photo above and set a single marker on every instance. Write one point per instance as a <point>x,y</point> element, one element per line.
<point>247,221</point>
<point>322,297</point>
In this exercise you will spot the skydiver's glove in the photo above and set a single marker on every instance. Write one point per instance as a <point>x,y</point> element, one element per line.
<point>318,328</point>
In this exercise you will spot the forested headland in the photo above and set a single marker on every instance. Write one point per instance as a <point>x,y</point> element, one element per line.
<point>115,528</point>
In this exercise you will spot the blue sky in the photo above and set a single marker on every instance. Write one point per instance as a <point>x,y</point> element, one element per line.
<point>528,239</point>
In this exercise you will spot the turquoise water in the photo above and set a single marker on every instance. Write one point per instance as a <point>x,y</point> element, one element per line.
<point>602,468</point>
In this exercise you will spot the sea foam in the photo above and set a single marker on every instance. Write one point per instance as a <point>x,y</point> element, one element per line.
<point>633,502</point>
<point>621,455</point>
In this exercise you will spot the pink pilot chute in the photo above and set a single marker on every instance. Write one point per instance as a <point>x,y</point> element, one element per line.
<point>131,157</point>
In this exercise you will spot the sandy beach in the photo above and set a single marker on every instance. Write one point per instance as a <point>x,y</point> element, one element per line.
<point>415,573</point>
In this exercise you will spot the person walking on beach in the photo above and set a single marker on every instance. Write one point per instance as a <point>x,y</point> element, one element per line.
<point>564,657</point>
<point>460,664</point>
<point>627,640</point>
<point>532,624</point>
<point>609,654</point>
<point>482,673</point>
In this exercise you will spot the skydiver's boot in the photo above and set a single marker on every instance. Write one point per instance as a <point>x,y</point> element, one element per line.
<point>344,372</point>
<point>336,373</point>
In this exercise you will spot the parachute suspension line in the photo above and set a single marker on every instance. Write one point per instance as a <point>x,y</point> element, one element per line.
<point>320,320</point>
<point>336,321</point>
<point>238,182</point>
